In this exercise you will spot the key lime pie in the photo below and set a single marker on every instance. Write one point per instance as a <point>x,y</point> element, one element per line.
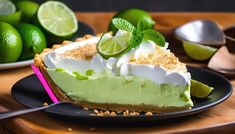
<point>131,70</point>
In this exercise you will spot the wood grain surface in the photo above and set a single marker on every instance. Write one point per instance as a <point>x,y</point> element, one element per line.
<point>220,118</point>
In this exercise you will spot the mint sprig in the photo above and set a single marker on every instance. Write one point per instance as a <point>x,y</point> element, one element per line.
<point>136,39</point>
<point>142,25</point>
<point>140,33</point>
<point>154,36</point>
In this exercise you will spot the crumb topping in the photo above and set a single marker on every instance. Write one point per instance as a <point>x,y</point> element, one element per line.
<point>163,58</point>
<point>114,113</point>
<point>45,104</point>
<point>92,129</point>
<point>69,130</point>
<point>85,52</point>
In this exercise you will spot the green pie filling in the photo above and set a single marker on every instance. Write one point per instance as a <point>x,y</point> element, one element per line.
<point>128,90</point>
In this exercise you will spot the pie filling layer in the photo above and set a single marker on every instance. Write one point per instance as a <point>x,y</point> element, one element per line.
<point>128,90</point>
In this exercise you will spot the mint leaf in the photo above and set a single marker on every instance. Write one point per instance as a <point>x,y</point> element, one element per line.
<point>136,39</point>
<point>154,36</point>
<point>123,24</point>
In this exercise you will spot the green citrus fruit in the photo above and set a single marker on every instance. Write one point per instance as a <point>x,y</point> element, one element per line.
<point>13,18</point>
<point>113,46</point>
<point>10,43</point>
<point>58,20</point>
<point>34,41</point>
<point>199,89</point>
<point>133,15</point>
<point>28,8</point>
<point>197,51</point>
<point>7,7</point>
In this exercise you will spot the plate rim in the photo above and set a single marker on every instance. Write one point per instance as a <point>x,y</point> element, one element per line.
<point>15,64</point>
<point>161,116</point>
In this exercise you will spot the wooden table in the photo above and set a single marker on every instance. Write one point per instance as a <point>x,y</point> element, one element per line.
<point>217,119</point>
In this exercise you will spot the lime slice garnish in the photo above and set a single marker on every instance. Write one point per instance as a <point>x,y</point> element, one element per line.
<point>113,46</point>
<point>199,89</point>
<point>6,7</point>
<point>197,51</point>
<point>57,18</point>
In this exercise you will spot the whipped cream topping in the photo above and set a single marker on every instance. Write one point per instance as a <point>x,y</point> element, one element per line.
<point>54,59</point>
<point>119,66</point>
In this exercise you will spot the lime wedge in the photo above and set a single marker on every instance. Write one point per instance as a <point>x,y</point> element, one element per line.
<point>13,18</point>
<point>197,51</point>
<point>28,8</point>
<point>113,46</point>
<point>6,7</point>
<point>56,18</point>
<point>199,89</point>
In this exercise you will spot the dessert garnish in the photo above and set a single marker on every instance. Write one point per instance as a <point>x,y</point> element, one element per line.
<point>115,46</point>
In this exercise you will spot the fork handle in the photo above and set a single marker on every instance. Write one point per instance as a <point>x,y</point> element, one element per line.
<point>4,115</point>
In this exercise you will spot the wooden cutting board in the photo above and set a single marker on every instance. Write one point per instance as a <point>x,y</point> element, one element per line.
<point>217,119</point>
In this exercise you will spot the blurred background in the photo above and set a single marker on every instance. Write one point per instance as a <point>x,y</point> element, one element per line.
<point>151,5</point>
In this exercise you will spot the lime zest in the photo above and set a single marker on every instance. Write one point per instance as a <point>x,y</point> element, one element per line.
<point>154,36</point>
<point>79,76</point>
<point>59,70</point>
<point>90,72</point>
<point>123,24</point>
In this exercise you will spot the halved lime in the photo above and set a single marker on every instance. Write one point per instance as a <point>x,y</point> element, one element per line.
<point>197,51</point>
<point>113,46</point>
<point>56,18</point>
<point>199,89</point>
<point>6,7</point>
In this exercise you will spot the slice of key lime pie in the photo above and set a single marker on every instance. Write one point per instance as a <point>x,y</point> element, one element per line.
<point>131,70</point>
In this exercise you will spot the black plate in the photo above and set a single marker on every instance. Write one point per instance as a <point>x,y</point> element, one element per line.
<point>29,92</point>
<point>83,29</point>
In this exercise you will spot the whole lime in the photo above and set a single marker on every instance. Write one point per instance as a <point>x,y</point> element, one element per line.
<point>10,43</point>
<point>28,8</point>
<point>133,15</point>
<point>34,41</point>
